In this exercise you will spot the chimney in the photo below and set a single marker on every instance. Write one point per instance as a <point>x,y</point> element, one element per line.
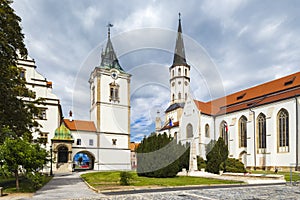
<point>70,116</point>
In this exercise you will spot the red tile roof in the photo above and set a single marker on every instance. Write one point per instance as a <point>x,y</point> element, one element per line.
<point>133,146</point>
<point>276,90</point>
<point>80,125</point>
<point>167,126</point>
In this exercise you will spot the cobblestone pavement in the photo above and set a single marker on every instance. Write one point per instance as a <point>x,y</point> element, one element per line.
<point>273,192</point>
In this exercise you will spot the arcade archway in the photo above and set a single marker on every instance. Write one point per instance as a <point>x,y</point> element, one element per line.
<point>83,160</point>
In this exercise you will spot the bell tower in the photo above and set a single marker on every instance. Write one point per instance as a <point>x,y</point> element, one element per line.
<point>179,71</point>
<point>110,109</point>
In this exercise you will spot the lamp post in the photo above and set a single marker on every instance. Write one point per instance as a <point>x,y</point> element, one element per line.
<point>51,173</point>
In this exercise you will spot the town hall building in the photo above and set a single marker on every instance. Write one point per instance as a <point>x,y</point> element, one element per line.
<point>260,124</point>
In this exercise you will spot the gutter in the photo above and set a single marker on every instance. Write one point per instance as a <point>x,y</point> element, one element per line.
<point>297,133</point>
<point>254,143</point>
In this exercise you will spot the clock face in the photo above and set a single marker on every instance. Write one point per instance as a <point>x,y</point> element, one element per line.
<point>114,75</point>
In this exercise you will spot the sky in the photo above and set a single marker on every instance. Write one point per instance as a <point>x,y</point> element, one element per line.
<point>230,44</point>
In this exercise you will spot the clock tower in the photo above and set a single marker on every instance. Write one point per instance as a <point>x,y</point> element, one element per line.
<point>110,108</point>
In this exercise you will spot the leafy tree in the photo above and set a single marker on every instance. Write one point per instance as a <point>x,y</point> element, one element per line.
<point>16,112</point>
<point>160,156</point>
<point>19,154</point>
<point>216,157</point>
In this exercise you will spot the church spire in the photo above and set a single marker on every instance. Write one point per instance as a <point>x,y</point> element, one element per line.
<point>179,54</point>
<point>108,57</point>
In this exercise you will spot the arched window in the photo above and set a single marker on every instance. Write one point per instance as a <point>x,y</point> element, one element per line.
<point>179,95</point>
<point>179,71</point>
<point>185,96</point>
<point>243,131</point>
<point>283,130</point>
<point>224,131</point>
<point>172,73</point>
<point>206,130</point>
<point>185,72</point>
<point>93,95</point>
<point>262,135</point>
<point>114,92</point>
<point>189,131</point>
<point>173,97</point>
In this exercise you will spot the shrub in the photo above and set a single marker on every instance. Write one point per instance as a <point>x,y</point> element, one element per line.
<point>234,165</point>
<point>36,179</point>
<point>216,156</point>
<point>125,178</point>
<point>201,163</point>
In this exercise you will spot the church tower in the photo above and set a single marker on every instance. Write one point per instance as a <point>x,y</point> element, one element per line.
<point>179,71</point>
<point>179,80</point>
<point>110,108</point>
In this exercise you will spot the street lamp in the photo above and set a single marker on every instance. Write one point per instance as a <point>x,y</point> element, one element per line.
<point>51,173</point>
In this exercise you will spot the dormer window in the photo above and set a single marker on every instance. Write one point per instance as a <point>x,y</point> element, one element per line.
<point>241,96</point>
<point>290,81</point>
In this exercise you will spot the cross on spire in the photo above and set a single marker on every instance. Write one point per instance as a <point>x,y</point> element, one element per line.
<point>109,25</point>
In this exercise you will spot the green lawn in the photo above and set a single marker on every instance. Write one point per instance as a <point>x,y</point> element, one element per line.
<point>9,184</point>
<point>295,175</point>
<point>110,180</point>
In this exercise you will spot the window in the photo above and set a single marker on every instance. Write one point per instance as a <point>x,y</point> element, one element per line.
<point>42,114</point>
<point>283,130</point>
<point>243,131</point>
<point>173,97</point>
<point>224,131</point>
<point>185,96</point>
<point>179,95</point>
<point>22,74</point>
<point>261,126</point>
<point>91,142</point>
<point>78,142</point>
<point>206,130</point>
<point>114,92</point>
<point>185,72</point>
<point>43,138</point>
<point>189,131</point>
<point>172,73</point>
<point>114,141</point>
<point>179,71</point>
<point>93,95</point>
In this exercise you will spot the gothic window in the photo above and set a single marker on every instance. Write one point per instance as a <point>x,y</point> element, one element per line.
<point>93,94</point>
<point>78,142</point>
<point>185,96</point>
<point>224,131</point>
<point>283,130</point>
<point>261,126</point>
<point>114,92</point>
<point>189,131</point>
<point>206,130</point>
<point>179,71</point>
<point>179,95</point>
<point>243,131</point>
<point>185,72</point>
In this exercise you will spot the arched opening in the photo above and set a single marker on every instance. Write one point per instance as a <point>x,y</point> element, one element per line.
<point>243,157</point>
<point>243,131</point>
<point>62,154</point>
<point>83,160</point>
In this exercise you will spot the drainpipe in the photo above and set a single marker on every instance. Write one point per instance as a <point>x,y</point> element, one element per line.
<point>297,132</point>
<point>254,143</point>
<point>214,117</point>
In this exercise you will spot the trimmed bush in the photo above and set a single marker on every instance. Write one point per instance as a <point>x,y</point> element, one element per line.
<point>201,163</point>
<point>125,178</point>
<point>234,165</point>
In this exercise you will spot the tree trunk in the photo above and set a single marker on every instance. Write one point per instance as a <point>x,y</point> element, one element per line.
<point>17,179</point>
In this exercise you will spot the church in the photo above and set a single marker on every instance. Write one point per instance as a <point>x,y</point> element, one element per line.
<point>260,124</point>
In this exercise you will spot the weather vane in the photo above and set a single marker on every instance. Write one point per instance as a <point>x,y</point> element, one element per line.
<point>109,25</point>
